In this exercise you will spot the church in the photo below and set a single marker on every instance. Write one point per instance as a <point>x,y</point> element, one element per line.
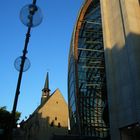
<point>50,117</point>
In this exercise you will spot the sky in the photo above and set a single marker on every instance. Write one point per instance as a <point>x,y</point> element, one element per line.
<point>48,51</point>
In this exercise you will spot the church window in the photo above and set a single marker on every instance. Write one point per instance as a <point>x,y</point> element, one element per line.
<point>52,124</point>
<point>55,118</point>
<point>59,125</point>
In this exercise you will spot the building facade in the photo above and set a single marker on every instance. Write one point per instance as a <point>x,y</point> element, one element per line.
<point>50,117</point>
<point>104,70</point>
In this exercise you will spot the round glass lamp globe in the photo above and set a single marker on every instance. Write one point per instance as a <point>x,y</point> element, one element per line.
<point>31,15</point>
<point>17,64</point>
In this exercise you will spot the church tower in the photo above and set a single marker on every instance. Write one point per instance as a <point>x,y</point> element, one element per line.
<point>45,90</point>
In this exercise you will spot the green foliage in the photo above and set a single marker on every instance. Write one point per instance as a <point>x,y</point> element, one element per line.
<point>5,117</point>
<point>17,116</point>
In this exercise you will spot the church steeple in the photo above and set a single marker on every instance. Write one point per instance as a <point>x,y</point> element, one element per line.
<point>45,90</point>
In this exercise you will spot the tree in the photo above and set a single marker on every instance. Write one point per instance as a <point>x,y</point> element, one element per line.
<point>5,121</point>
<point>5,117</point>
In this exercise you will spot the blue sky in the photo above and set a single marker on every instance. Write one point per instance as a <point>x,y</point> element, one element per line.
<point>48,50</point>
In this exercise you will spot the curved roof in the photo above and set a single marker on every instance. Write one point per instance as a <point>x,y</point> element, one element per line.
<point>78,25</point>
<point>74,41</point>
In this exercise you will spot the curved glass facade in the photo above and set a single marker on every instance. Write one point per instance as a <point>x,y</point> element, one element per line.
<point>87,95</point>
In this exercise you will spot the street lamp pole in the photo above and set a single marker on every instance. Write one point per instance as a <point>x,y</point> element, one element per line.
<point>19,78</point>
<point>30,21</point>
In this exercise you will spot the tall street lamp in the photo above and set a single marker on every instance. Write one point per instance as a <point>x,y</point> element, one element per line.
<point>30,16</point>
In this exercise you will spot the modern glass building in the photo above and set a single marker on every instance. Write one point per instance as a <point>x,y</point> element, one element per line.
<point>87,92</point>
<point>104,70</point>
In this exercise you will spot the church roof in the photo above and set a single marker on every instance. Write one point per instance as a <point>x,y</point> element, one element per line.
<point>41,105</point>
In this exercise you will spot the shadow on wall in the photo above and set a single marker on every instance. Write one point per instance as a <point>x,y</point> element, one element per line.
<point>38,128</point>
<point>123,80</point>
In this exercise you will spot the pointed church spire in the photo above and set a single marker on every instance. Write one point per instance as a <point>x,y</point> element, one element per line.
<point>45,90</point>
<point>46,86</point>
